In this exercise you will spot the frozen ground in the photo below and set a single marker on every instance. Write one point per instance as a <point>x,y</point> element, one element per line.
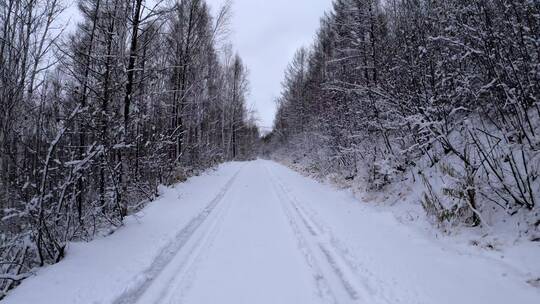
<point>257,232</point>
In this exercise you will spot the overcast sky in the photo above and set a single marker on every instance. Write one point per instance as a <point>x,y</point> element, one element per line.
<point>266,33</point>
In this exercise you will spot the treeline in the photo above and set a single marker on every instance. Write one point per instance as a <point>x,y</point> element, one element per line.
<point>93,121</point>
<point>426,90</point>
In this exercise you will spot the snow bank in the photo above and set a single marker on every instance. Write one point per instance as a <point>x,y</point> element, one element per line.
<point>106,268</point>
<point>403,259</point>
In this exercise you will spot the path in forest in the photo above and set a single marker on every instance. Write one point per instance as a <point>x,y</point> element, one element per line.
<point>261,233</point>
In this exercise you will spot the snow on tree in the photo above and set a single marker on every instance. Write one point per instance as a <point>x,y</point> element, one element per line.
<point>94,121</point>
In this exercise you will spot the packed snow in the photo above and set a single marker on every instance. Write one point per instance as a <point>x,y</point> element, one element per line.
<point>258,232</point>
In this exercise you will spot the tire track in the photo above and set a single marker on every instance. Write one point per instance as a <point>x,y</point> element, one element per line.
<point>375,288</point>
<point>182,282</point>
<point>321,281</point>
<point>356,282</point>
<point>144,281</point>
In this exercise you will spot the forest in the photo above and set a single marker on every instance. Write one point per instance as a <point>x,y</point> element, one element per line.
<point>429,103</point>
<point>444,94</point>
<point>93,120</point>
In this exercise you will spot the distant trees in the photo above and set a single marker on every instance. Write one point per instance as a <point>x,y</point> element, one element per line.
<point>406,85</point>
<point>92,122</point>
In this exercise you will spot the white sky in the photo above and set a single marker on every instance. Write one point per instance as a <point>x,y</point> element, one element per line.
<point>266,33</point>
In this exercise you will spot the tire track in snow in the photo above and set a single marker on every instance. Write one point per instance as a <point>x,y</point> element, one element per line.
<point>175,291</point>
<point>144,280</point>
<point>321,281</point>
<point>340,256</point>
<point>307,235</point>
<point>358,284</point>
<point>377,289</point>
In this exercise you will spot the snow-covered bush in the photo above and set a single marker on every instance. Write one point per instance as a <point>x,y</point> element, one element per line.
<point>444,90</point>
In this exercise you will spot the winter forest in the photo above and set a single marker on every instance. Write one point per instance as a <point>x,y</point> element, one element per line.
<point>93,122</point>
<point>438,97</point>
<point>422,90</point>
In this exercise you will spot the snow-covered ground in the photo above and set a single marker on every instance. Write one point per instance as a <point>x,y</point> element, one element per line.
<point>257,232</point>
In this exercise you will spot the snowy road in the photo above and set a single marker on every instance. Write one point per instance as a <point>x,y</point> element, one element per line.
<point>257,233</point>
